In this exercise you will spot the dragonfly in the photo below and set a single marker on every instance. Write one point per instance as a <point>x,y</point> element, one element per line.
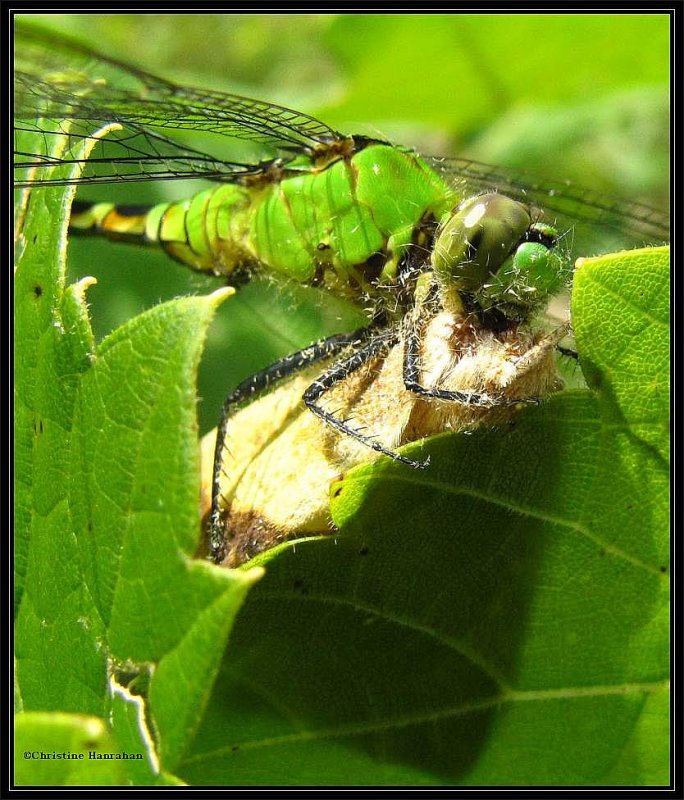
<point>403,235</point>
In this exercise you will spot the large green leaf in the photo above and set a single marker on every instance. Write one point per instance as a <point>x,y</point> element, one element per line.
<point>499,619</point>
<point>107,508</point>
<point>628,357</point>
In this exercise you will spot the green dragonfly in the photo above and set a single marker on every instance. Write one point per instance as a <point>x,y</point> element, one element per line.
<point>403,235</point>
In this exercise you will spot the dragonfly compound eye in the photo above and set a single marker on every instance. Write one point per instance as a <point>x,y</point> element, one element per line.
<point>477,239</point>
<point>526,280</point>
<point>491,250</point>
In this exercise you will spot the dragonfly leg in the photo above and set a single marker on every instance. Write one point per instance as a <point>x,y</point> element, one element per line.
<point>250,389</point>
<point>567,351</point>
<point>378,346</point>
<point>412,343</point>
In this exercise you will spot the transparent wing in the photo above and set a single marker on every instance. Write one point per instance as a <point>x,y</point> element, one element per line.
<point>581,213</point>
<point>63,87</point>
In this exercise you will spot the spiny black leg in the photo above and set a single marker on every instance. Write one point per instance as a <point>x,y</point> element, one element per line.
<point>412,382</point>
<point>378,346</point>
<point>567,351</point>
<point>250,389</point>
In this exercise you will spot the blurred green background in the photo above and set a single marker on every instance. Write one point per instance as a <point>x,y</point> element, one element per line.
<point>577,96</point>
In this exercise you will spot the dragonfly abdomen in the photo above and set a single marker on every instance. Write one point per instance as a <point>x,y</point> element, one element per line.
<point>116,222</point>
<point>203,232</point>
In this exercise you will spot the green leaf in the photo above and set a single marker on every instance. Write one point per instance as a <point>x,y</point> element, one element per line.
<point>622,323</point>
<point>127,722</point>
<point>108,509</point>
<point>501,618</point>
<point>65,750</point>
<point>54,615</point>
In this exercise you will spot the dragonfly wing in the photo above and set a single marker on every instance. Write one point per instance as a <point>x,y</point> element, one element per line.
<point>61,81</point>
<point>124,155</point>
<point>574,210</point>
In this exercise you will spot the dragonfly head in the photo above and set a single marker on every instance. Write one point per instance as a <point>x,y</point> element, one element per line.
<point>492,252</point>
